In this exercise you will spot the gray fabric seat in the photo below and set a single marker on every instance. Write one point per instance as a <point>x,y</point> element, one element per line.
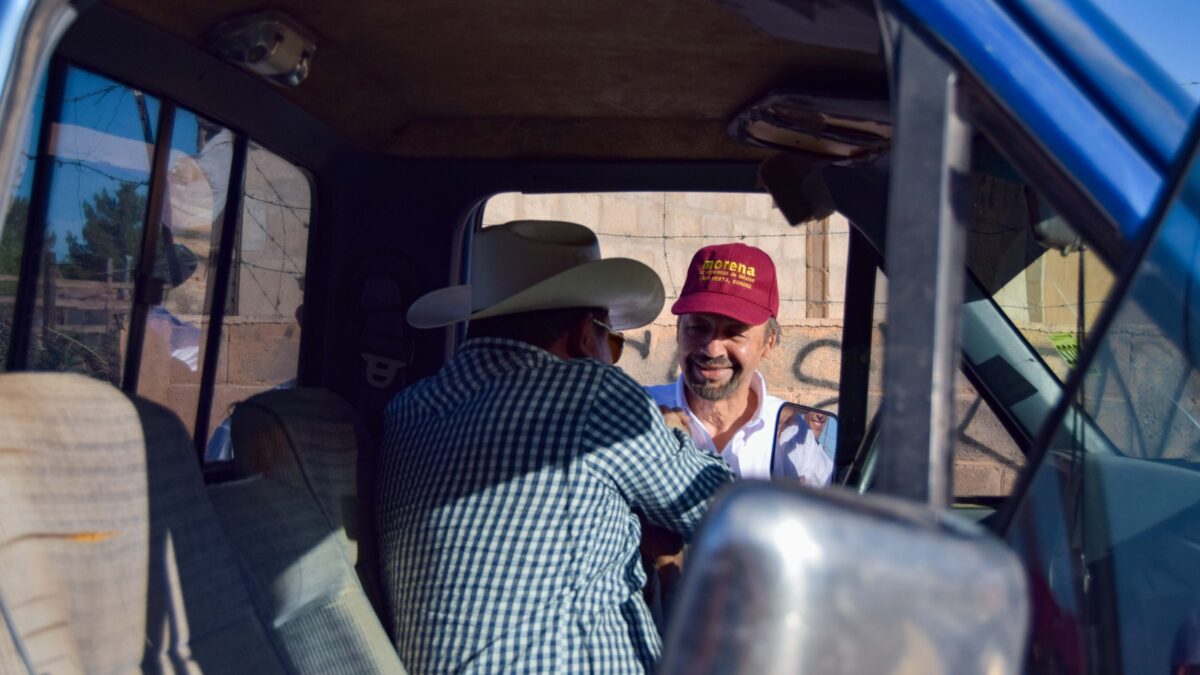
<point>111,556</point>
<point>293,518</point>
<point>73,527</point>
<point>199,614</point>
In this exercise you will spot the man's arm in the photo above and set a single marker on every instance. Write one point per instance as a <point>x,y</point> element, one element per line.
<point>660,471</point>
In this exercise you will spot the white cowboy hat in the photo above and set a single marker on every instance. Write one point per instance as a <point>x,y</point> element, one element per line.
<point>529,265</point>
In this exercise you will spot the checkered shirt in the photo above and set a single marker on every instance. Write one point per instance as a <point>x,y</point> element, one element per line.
<point>505,494</point>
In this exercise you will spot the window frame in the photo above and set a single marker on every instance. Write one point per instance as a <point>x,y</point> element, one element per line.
<point>146,292</point>
<point>968,102</point>
<point>858,326</point>
<point>21,335</point>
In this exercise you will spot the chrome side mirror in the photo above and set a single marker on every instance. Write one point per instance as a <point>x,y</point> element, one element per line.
<point>805,443</point>
<point>786,579</point>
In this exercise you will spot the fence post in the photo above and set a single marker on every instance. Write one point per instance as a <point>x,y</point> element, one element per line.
<point>49,290</point>
<point>816,264</point>
<point>108,291</point>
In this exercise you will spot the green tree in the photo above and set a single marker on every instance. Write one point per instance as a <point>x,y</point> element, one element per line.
<point>12,238</point>
<point>112,230</point>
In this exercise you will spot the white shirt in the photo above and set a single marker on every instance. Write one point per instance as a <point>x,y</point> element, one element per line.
<point>800,456</point>
<point>749,451</point>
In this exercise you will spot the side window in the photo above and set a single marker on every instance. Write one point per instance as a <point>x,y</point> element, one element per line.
<point>189,236</point>
<point>986,459</point>
<point>1035,290</point>
<point>102,150</point>
<point>1055,302</point>
<point>86,318</point>
<point>878,330</point>
<point>1034,266</point>
<point>1109,524</point>
<point>664,230</point>
<point>260,346</point>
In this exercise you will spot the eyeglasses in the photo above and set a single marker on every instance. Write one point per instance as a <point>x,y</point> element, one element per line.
<point>616,341</point>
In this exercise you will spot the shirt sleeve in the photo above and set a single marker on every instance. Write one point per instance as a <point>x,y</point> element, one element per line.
<point>799,455</point>
<point>660,471</point>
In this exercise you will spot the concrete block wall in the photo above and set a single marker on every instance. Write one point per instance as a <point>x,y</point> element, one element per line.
<point>260,340</point>
<point>664,230</point>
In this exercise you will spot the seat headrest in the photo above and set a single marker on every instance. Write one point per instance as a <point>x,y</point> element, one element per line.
<point>73,522</point>
<point>305,438</point>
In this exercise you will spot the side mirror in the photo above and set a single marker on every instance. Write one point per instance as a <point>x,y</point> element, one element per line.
<point>784,579</point>
<point>805,442</point>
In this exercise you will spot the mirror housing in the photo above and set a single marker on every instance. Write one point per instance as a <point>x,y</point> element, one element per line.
<point>805,443</point>
<point>786,579</point>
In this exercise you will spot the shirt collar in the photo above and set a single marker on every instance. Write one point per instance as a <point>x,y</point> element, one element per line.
<point>488,355</point>
<point>502,344</point>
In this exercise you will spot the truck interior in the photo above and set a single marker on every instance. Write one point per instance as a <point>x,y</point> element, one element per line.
<point>411,116</point>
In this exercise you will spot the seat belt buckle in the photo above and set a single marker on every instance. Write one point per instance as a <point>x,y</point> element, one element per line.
<point>381,370</point>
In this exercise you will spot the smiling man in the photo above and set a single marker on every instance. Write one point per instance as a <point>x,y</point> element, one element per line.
<point>727,325</point>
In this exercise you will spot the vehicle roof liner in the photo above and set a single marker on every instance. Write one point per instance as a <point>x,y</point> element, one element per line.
<point>492,78</point>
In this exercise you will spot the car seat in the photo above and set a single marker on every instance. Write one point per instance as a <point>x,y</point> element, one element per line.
<point>293,515</point>
<point>111,556</point>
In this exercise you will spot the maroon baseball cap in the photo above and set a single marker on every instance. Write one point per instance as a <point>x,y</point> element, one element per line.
<point>733,280</point>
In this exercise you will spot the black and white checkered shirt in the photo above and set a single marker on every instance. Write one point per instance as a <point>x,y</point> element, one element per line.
<point>507,540</point>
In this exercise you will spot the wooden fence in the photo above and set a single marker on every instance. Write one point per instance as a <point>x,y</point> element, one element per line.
<point>76,306</point>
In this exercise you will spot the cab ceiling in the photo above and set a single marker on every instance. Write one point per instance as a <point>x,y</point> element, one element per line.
<point>550,78</point>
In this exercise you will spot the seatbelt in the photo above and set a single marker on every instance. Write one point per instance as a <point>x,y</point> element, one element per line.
<point>385,352</point>
<point>385,348</point>
<point>18,644</point>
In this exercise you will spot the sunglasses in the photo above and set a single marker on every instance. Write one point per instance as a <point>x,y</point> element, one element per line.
<point>616,341</point>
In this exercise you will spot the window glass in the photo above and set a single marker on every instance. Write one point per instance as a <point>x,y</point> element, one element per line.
<point>102,152</point>
<point>1035,291</point>
<point>13,228</point>
<point>664,230</point>
<point>260,338</point>
<point>986,458</point>
<point>1036,268</point>
<point>1109,526</point>
<point>186,256</point>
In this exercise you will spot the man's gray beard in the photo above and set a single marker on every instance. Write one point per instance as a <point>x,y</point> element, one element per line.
<point>713,392</point>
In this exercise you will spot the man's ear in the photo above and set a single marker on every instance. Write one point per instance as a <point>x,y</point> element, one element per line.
<point>581,338</point>
<point>772,340</point>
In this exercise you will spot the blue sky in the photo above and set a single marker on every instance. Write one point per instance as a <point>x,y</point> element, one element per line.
<point>1166,30</point>
<point>96,103</point>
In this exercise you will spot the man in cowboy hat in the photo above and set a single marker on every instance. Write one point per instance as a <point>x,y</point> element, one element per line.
<point>508,479</point>
<point>727,325</point>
